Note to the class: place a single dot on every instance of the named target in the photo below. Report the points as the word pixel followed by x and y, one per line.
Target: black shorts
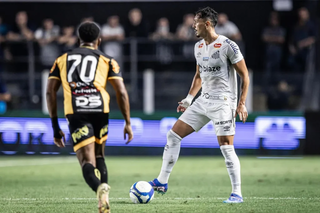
pixel 88 128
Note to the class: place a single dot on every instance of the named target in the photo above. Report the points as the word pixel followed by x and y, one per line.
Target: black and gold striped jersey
pixel 83 73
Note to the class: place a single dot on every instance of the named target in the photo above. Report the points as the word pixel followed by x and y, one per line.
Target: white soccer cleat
pixel 103 198
pixel 234 198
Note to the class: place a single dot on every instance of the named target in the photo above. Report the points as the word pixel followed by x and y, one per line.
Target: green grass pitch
pixel 197 184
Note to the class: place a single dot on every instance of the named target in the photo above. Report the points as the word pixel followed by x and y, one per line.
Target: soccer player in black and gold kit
pixel 83 74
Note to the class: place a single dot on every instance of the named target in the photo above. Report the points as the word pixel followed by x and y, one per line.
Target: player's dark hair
pixel 88 32
pixel 208 13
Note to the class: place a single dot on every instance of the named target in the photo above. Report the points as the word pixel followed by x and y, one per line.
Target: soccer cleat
pixel 159 187
pixel 103 198
pixel 234 198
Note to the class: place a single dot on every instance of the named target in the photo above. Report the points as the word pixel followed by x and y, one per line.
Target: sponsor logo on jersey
pixel 217 45
pixel 209 69
pixel 84 91
pixel 88 101
pixel 233 46
pixel 215 55
pixel 80 88
pixel 200 45
pixel 205 58
pixel 74 85
pixel 215 97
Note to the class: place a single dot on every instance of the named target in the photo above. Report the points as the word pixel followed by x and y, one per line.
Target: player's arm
pixel 242 70
pixel 51 94
pixel 53 86
pixel 114 76
pixel 194 89
pixel 196 83
pixel 123 103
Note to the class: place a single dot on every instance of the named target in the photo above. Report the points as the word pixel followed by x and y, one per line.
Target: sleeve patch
pixel 53 67
pixel 233 46
pixel 115 66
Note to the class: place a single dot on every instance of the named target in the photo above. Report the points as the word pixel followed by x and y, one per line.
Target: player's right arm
pixel 53 86
pixel 194 89
pixel 122 97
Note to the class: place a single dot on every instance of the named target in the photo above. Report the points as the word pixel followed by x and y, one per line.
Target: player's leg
pixel 83 138
pixel 87 161
pixel 100 125
pixel 233 167
pixel 100 161
pixel 224 122
pixel 83 144
pixel 172 149
pixel 103 191
pixel 100 122
pixel 191 120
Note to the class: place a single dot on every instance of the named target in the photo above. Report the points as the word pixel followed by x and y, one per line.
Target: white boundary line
pixel 37 162
pixel 177 198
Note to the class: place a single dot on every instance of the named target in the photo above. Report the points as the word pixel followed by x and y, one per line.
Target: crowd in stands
pixel 53 40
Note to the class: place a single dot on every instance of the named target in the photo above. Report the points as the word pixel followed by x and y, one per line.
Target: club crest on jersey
pixel 215 55
pixel 200 45
pixel 217 45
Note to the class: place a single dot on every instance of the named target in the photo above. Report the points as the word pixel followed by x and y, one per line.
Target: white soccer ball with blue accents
pixel 141 192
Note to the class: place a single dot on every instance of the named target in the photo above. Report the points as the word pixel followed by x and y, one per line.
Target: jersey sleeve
pixel 196 52
pixel 114 71
pixel 55 72
pixel 233 52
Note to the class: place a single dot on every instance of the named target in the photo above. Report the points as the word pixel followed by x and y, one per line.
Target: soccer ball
pixel 141 192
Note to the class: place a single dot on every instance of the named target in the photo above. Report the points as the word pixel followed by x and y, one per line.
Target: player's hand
pixel 60 142
pixel 242 112
pixel 185 103
pixel 128 131
pixel 180 108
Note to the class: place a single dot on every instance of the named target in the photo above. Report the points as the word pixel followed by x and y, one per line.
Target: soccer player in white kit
pixel 218 60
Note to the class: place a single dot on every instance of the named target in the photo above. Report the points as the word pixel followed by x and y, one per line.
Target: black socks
pixel 101 166
pixel 92 176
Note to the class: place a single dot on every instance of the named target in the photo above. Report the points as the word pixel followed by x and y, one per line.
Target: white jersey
pixel 219 79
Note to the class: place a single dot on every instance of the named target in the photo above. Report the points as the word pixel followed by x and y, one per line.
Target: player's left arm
pixel 242 70
pixel 115 78
pixel 53 86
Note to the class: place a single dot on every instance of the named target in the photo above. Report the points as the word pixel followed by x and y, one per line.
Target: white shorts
pixel 200 113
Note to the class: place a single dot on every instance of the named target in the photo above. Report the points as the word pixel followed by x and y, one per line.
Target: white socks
pixel 233 167
pixel 170 156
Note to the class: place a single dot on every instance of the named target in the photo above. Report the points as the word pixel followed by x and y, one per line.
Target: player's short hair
pixel 88 31
pixel 208 13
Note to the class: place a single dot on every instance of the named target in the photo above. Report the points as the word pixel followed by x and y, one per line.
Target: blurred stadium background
pixel 153 43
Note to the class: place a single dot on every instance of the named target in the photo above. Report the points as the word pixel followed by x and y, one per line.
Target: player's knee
pixel 173 138
pixel 225 140
pixel 225 143
pixel 99 151
pixel 84 162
